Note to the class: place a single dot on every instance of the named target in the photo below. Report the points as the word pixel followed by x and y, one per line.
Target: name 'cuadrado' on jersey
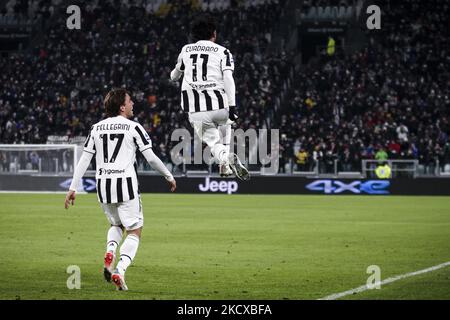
pixel 203 64
pixel 114 142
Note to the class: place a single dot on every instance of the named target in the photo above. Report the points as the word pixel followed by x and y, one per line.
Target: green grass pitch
pixel 229 247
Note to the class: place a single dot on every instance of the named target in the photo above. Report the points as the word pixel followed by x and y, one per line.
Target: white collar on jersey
pixel 205 41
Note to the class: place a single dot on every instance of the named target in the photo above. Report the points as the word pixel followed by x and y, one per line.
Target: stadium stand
pixel 392 95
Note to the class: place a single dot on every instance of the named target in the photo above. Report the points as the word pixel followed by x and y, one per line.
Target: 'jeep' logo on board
pixel 218 186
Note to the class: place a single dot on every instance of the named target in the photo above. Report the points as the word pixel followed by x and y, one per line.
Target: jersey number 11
pixel 204 66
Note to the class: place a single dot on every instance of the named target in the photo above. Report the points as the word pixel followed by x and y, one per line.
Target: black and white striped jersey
pixel 203 64
pixel 114 142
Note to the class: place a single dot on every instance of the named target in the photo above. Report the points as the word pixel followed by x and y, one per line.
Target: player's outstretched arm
pixel 81 168
pixel 159 166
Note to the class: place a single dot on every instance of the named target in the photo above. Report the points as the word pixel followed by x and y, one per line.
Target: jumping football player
pixel 114 142
pixel 208 92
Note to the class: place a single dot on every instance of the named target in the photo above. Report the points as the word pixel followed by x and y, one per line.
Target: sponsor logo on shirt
pixel 110 171
pixel 202 86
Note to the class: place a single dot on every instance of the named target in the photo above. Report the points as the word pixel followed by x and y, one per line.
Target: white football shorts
pixel 128 213
pixel 206 124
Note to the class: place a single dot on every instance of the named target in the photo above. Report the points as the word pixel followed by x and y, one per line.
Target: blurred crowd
pixel 387 101
pixel 27 11
pixel 59 88
pixel 390 100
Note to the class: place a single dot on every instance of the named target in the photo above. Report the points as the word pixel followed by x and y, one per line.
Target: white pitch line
pixel 388 280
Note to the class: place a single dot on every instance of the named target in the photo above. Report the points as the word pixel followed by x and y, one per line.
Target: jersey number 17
pixel 112 137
